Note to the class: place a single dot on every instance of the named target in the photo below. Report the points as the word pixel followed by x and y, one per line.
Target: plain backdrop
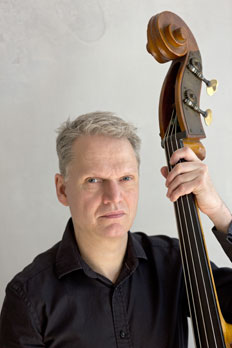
pixel 62 58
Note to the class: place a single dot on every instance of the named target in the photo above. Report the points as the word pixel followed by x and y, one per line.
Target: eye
pixel 92 180
pixel 126 178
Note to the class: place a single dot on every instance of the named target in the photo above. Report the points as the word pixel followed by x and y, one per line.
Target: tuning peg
pixel 195 67
pixel 190 100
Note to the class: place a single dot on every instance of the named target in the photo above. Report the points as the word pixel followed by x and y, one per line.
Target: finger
pixel 182 179
pixel 184 153
pixel 164 172
pixel 181 190
pixel 184 167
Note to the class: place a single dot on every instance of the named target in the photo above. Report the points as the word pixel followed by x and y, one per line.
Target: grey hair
pixel 94 123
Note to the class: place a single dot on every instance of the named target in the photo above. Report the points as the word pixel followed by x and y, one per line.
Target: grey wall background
pixel 61 58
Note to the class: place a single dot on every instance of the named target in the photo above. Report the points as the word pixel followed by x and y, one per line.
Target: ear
pixel 60 189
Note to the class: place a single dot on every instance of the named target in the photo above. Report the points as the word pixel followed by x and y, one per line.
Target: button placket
pixel 120 319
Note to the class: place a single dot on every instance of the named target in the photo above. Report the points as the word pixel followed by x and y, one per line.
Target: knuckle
pixel 179 167
pixel 204 168
pixel 179 180
pixel 203 172
pixel 181 189
pixel 187 150
pixel 199 181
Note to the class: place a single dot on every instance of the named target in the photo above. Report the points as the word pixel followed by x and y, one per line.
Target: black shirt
pixel 58 301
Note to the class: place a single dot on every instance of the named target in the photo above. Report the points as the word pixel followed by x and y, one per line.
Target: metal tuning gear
pixel 191 101
pixel 195 67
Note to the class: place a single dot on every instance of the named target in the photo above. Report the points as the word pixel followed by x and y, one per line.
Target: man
pixel 103 286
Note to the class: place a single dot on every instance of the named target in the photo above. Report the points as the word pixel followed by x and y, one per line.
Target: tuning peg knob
pixel 208 116
pixel 195 67
pixel 211 86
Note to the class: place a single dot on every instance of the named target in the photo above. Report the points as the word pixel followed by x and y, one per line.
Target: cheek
pixel 135 200
pixel 85 203
pixel 132 198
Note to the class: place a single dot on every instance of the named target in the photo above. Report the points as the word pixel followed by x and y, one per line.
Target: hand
pixel 192 176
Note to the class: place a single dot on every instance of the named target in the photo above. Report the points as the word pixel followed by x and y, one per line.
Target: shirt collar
pixel 68 258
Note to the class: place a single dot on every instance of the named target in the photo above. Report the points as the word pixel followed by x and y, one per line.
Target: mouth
pixel 113 215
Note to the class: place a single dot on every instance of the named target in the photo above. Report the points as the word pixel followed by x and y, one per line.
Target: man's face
pixel 102 186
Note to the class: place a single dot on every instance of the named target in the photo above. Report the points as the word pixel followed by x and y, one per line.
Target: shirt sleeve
pixel 225 239
pixel 223 275
pixel 18 322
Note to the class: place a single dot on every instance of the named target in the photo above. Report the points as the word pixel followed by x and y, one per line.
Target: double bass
pixel 170 39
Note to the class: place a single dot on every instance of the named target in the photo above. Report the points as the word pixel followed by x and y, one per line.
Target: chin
pixel 114 231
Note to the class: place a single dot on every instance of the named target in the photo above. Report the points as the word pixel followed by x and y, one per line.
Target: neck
pixel 104 256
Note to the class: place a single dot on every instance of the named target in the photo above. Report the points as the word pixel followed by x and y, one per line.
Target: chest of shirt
pixel 137 312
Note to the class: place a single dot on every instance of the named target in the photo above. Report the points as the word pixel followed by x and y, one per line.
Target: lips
pixel 113 214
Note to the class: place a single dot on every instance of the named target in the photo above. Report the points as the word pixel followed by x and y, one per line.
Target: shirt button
pixel 122 334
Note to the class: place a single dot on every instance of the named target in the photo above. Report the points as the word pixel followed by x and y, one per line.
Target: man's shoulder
pixel 161 242
pixel 162 252
pixel 41 267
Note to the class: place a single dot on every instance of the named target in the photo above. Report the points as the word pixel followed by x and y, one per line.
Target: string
pixel 207 269
pixel 173 124
pixel 168 134
pixel 191 252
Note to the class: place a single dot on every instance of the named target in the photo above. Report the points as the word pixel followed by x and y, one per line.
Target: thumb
pixel 164 171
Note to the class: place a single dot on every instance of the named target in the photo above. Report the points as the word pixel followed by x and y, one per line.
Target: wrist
pixel 221 218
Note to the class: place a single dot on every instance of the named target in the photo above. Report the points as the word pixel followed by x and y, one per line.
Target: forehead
pixel 93 151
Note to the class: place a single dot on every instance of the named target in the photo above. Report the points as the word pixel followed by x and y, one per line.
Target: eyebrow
pixel 100 175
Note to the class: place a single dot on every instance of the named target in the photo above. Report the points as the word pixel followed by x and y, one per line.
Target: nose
pixel 112 192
